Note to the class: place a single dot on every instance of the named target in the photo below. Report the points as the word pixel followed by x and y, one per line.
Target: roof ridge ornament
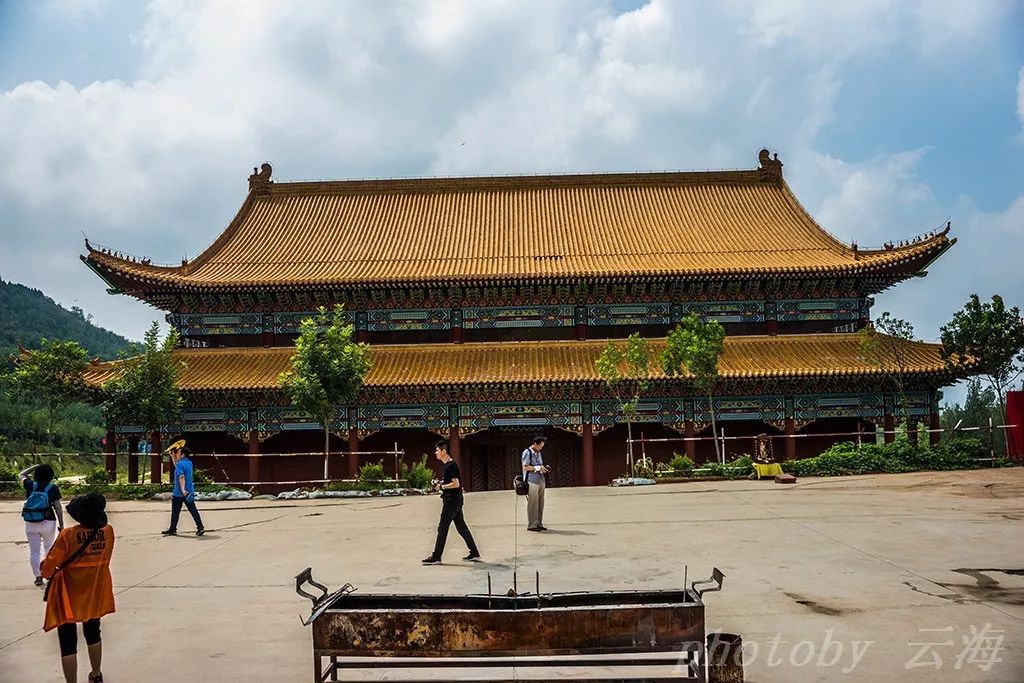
pixel 770 166
pixel 259 181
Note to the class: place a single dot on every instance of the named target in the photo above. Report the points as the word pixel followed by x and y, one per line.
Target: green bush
pixel 418 476
pixel 898 456
pixel 371 472
pixel 97 477
pixel 8 478
pixel 681 463
pixel 643 468
pixel 201 478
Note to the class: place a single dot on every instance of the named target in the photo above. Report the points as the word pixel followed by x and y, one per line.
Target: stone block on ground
pixel 785 479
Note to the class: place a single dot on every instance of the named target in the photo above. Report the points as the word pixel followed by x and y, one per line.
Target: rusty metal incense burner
pixel 648 635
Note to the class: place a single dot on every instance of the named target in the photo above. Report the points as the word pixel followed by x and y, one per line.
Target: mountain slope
pixel 27 315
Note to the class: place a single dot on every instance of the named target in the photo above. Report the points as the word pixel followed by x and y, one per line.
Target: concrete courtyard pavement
pixel 812 572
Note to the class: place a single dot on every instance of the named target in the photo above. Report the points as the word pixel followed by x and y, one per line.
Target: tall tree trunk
pixel 629 450
pixel 327 446
pixel 1002 418
pixel 714 428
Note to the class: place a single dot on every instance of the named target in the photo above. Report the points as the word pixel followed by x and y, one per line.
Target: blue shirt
pixel 532 457
pixel 183 467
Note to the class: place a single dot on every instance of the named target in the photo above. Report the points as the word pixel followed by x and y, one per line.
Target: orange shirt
pixel 83 590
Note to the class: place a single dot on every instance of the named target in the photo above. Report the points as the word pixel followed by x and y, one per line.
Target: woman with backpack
pixel 42 513
pixel 80 588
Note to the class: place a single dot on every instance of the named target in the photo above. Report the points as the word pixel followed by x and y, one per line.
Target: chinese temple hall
pixel 486 300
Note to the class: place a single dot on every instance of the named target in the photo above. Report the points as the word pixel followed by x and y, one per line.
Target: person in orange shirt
pixel 80 588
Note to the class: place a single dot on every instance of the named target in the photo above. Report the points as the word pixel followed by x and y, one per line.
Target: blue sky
pixel 137 123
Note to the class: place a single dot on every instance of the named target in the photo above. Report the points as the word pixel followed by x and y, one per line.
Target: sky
pixel 136 124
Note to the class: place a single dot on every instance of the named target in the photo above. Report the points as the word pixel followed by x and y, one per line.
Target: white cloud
pixel 156 166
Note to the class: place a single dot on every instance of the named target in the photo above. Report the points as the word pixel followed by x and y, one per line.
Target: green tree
pixel 51 377
pixel 626 370
pixel 986 339
pixel 883 344
pixel 328 368
pixel 979 409
pixel 694 347
pixel 146 392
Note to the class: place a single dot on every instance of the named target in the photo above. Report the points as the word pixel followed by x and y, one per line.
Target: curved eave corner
pixel 94 267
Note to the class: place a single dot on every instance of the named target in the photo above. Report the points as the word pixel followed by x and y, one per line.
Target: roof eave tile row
pixel 756 357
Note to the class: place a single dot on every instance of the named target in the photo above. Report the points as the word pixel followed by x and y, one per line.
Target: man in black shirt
pixel 451 507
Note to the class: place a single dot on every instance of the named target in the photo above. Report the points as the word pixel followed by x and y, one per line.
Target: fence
pixel 212 464
pixel 859 437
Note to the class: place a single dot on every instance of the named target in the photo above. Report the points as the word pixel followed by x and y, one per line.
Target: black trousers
pixel 67 636
pixel 176 504
pixel 451 511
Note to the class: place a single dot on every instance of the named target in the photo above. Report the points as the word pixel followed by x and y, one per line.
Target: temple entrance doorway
pixel 494 456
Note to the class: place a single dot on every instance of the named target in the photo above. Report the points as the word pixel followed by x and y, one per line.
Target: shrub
pixel 643 468
pixel 97 477
pixel 201 478
pixel 371 472
pixel 8 478
pixel 898 456
pixel 681 463
pixel 418 476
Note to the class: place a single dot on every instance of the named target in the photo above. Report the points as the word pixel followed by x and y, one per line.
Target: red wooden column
pixel 453 444
pixel 588 454
pixel 912 431
pixel 133 459
pixel 154 458
pixel 691 446
pixel 934 437
pixel 254 455
pixel 889 425
pixel 110 455
pixel 790 442
pixel 353 446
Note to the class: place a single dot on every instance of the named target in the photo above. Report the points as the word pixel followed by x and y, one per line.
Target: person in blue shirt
pixel 183 491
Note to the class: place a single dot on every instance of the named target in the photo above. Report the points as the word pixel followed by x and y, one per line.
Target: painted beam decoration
pixel 230 420
pixel 203 325
pixel 629 314
pixel 722 311
pixel 490 317
pixel 664 411
pixel 914 404
pixel 431 416
pixel 729 408
pixel 808 407
pixel 474 417
pixel 279 419
pixel 799 310
pixel 408 319
pixel 288 323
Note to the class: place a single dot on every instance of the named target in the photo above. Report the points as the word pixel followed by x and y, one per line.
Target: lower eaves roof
pixel 745 357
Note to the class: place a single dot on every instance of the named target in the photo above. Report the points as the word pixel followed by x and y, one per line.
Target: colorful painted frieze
pixel 490 317
pixel 800 310
pixel 477 416
pixel 808 407
pixel 722 311
pixel 728 408
pixel 432 416
pixel 386 320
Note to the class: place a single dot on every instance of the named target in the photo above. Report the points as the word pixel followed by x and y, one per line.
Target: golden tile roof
pixel 777 357
pixel 423 231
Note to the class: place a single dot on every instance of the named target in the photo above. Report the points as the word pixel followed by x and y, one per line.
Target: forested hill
pixel 27 315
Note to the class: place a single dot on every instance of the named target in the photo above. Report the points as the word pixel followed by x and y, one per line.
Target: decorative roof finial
pixel 770 166
pixel 259 181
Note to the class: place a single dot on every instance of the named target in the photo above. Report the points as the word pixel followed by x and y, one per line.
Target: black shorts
pixel 67 635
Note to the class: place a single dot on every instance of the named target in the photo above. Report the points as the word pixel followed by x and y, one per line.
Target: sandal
pixel 98 678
